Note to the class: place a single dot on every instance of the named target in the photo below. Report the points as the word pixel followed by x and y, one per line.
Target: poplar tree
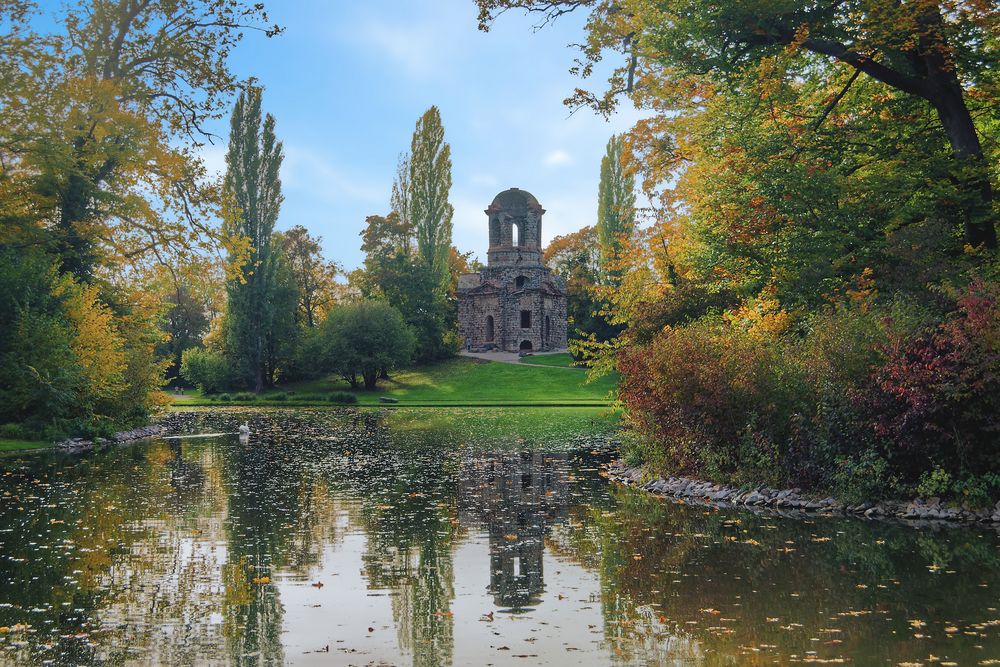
pixel 253 192
pixel 615 208
pixel 429 183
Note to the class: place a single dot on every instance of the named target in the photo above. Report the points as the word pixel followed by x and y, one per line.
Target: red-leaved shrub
pixel 936 400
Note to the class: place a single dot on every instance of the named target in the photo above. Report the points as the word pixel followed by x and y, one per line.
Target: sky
pixel 347 81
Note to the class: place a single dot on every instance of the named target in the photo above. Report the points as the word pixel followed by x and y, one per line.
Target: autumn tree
pixel 315 277
pixel 675 53
pixel 253 190
pixel 577 258
pixel 102 122
pixel 429 184
pixel 615 208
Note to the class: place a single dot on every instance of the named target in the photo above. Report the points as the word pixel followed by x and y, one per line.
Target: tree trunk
pixel 371 377
pixel 971 174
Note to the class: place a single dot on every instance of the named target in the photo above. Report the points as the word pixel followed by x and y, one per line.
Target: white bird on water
pixel 245 430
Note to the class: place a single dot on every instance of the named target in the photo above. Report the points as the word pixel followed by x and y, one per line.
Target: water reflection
pixel 435 538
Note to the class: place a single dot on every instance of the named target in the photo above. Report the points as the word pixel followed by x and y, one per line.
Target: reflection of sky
pixel 349 608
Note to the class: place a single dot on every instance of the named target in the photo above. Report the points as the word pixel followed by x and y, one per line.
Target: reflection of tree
pixel 518 496
pixel 680 583
pixel 411 524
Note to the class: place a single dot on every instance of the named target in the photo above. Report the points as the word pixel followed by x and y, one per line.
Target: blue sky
pixel 348 80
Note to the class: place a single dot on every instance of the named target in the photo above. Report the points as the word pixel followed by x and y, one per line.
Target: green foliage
pixel 615 208
pixel 258 300
pixel 866 477
pixel 341 397
pixel 936 482
pixel 429 184
pixel 68 362
pixel 208 371
pixel 362 340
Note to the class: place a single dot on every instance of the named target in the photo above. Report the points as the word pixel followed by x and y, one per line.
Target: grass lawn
pixel 563 360
pixel 455 382
pixel 9 445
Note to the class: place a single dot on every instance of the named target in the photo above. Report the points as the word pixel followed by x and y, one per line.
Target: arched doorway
pixel 525 346
pixel 489 328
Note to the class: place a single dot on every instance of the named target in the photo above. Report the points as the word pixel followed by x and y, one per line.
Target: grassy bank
pixel 455 382
pixel 13 445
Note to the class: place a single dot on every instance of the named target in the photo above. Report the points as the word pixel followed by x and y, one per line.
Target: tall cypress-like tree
pixel 615 208
pixel 253 190
pixel 430 181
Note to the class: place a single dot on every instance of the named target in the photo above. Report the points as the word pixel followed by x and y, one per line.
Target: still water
pixel 451 537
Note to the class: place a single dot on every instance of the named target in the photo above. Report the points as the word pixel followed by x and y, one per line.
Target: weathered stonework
pixel 515 303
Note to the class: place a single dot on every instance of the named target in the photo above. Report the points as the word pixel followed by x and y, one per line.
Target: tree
pixel 577 258
pixel 100 123
pixel 315 278
pixel 615 208
pixel 253 190
pixel 429 183
pixel 362 339
pixel 678 52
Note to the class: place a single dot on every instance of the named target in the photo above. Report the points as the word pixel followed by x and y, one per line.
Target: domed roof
pixel 515 201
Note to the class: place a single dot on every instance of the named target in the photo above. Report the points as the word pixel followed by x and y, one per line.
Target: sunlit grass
pixel 563 360
pixel 455 382
pixel 11 445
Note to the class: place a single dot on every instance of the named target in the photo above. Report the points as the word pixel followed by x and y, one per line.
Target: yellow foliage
pixel 96 344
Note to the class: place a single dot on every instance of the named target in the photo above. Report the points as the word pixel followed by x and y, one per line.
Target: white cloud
pixel 558 158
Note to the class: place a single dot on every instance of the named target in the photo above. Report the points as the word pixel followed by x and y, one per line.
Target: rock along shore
pixel 81 445
pixel 793 503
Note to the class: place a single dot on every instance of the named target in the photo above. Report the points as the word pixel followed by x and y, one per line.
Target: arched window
pixel 489 328
pixel 515 234
pixel 520 281
pixel 525 319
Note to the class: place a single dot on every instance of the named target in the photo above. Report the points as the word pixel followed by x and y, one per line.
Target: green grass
pixel 455 382
pixel 563 360
pixel 12 445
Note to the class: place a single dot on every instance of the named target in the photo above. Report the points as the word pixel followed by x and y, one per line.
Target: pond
pixel 451 537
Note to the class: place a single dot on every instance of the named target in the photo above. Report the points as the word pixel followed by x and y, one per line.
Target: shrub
pixel 280 397
pixel 362 339
pixel 714 398
pixel 207 370
pixel 936 400
pixel 244 397
pixel 12 431
pixel 866 477
pixel 341 397
pixel 223 397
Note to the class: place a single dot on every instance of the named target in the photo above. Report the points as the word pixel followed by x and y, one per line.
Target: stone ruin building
pixel 515 304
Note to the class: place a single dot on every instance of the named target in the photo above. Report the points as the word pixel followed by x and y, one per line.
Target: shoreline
pixel 794 503
pixel 77 445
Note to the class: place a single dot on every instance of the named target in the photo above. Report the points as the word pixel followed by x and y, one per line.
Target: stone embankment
pixel 792 502
pixel 82 445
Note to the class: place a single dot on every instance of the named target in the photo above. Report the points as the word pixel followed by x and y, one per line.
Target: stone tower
pixel 515 303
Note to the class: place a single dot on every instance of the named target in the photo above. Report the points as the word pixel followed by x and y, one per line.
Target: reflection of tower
pixel 519 496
